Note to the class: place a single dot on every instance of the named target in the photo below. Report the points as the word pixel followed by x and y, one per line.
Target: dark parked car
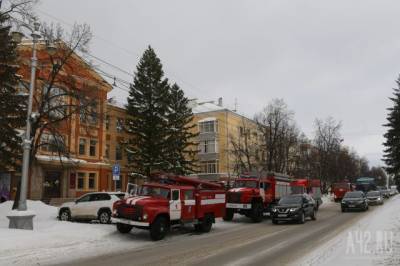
pixel 354 200
pixel 294 208
pixel 375 197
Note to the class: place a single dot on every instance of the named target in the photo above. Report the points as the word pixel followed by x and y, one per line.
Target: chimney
pixel 220 101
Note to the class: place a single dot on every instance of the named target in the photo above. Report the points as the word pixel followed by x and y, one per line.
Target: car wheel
pixel 228 214
pixel 159 228
pixel 343 210
pixel 104 217
pixel 124 228
pixel 274 221
pixel 65 215
pixel 302 219
pixel 257 212
pixel 314 215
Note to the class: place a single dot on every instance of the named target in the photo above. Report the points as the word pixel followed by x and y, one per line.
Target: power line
pixel 194 89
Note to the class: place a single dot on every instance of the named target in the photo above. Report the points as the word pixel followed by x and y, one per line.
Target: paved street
pixel 245 244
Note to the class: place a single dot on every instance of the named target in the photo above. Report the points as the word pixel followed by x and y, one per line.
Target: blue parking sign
pixel 116 171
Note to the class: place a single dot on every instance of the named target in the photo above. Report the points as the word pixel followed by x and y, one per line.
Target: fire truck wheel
pixel 206 224
pixel 257 212
pixel 314 215
pixel 124 228
pixel 228 215
pixel 159 228
pixel 302 219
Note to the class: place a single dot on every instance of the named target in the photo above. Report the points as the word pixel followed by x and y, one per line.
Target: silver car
pixel 375 198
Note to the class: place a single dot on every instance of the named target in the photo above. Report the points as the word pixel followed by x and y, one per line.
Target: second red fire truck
pixel 252 196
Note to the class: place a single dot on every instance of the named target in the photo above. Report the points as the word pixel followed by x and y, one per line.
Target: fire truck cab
pixel 159 206
pixel 252 196
pixel 339 189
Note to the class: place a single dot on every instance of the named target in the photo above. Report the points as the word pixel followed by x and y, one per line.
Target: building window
pixel 208 126
pixel 51 143
pixel 93 111
pixel 92 148
pixel 107 122
pixel 80 184
pixel 55 99
pixel 208 146
pixel 107 154
pixel 92 181
pixel 119 125
pixel 210 167
pixel 86 181
pixel 82 146
pixel 118 152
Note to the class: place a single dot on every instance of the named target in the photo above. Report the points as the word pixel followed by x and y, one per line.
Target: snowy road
pixel 240 242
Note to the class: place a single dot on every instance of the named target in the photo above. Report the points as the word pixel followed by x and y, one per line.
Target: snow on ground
pixel 53 241
pixel 374 240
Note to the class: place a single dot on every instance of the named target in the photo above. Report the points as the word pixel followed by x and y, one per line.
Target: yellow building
pixel 221 130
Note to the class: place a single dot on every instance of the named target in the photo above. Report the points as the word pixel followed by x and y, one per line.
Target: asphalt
pixel 245 244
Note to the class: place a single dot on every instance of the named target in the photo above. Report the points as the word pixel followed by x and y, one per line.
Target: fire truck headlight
pixel 145 216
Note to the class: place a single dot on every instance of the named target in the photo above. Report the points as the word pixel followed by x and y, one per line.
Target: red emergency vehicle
pixel 309 186
pixel 339 189
pixel 171 201
pixel 252 196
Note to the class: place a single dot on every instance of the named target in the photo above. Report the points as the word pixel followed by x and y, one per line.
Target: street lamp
pixel 23 219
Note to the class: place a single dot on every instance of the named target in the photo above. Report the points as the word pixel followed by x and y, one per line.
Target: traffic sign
pixel 116 171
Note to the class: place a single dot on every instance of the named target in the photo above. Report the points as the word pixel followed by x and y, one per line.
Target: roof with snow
pixel 206 107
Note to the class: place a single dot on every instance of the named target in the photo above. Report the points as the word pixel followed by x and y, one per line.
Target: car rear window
pixel 102 196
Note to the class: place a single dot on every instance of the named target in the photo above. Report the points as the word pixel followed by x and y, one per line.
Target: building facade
pixel 91 140
pixel 220 130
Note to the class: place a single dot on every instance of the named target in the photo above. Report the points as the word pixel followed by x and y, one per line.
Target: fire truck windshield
pixel 154 191
pixel 245 183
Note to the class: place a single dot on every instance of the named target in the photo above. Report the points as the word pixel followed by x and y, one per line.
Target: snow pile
pixel 374 240
pixel 54 241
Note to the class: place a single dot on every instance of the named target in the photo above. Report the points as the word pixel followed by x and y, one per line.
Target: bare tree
pixel 279 133
pixel 327 141
pixel 246 149
pixel 63 91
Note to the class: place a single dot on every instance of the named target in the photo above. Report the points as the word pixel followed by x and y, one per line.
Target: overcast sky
pixel 324 58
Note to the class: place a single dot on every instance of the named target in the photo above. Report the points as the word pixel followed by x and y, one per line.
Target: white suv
pixel 91 206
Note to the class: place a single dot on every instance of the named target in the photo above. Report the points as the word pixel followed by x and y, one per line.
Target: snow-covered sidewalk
pixel 53 241
pixel 374 240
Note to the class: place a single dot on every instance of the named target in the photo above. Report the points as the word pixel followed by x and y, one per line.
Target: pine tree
pixel 181 155
pixel 147 109
pixel 12 104
pixel 392 143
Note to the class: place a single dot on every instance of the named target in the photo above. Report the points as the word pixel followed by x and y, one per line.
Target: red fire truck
pixel 252 196
pixel 309 186
pixel 171 201
pixel 339 189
